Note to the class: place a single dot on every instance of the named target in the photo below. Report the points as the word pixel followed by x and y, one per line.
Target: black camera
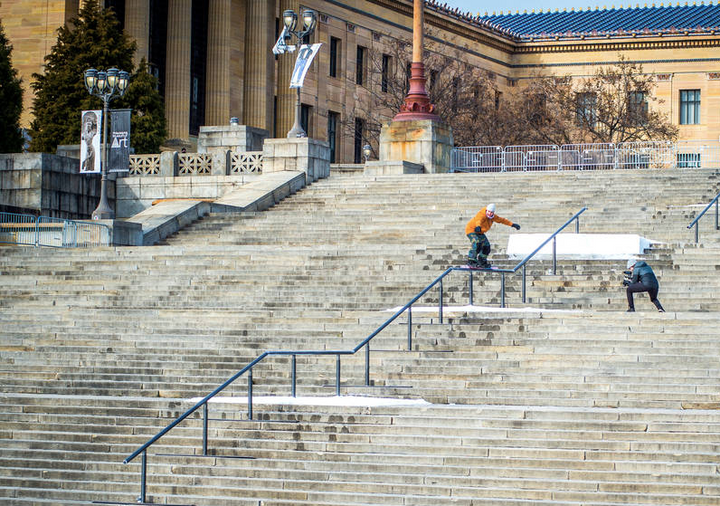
pixel 627 278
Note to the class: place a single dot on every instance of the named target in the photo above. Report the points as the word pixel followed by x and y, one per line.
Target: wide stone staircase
pixel 564 399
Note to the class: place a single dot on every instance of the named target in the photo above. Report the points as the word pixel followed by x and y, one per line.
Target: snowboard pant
pixel 480 248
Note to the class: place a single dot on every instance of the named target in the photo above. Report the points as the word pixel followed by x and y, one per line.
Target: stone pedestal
pixel 424 142
pixel 231 137
pixel 123 233
pixel 306 155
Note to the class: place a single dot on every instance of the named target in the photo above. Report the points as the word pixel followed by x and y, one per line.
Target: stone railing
pixel 196 164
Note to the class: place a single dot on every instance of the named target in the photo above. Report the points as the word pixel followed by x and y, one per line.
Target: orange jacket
pixel 482 221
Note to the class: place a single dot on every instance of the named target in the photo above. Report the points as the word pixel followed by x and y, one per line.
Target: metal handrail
pixel 697 218
pixel 365 343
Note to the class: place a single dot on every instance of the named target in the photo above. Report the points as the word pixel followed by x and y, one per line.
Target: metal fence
pixel 627 155
pixel 26 229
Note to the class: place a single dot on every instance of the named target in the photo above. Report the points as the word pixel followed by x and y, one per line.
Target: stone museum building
pixel 214 58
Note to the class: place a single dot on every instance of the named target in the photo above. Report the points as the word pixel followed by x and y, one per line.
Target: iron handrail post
pixel 367 365
pixel 143 477
pixel 440 303
pixel 524 289
pixel 293 375
pixel 250 395
pixel 555 256
pixel 470 283
pixel 205 429
pixel 696 221
pixel 337 375
pixel 502 289
pixel 577 225
pixel 409 324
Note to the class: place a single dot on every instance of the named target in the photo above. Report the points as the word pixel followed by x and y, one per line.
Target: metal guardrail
pixel 608 156
pixel 28 230
pixel 364 344
pixel 695 223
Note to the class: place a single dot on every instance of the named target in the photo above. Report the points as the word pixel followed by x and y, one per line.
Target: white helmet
pixel 491 208
pixel 631 262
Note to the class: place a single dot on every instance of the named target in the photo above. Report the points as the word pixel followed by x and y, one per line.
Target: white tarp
pixel 569 245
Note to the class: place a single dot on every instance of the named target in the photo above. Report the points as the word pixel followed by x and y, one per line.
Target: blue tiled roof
pixel 628 20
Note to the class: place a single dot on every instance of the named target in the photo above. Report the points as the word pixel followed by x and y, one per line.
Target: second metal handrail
pixel 365 343
pixel 697 218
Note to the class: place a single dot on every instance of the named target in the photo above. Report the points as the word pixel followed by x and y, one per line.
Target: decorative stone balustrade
pixel 196 164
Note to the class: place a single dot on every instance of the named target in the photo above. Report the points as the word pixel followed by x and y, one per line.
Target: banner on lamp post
pixel 119 154
pixel 90 155
pixel 306 53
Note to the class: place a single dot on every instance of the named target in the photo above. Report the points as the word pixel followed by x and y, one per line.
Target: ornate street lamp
pixel 107 85
pixel 290 23
pixel 367 151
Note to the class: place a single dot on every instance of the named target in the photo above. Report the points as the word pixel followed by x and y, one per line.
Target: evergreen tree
pixel 148 126
pixel 11 93
pixel 92 40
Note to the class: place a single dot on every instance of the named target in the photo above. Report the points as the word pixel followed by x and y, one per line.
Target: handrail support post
pixel 440 303
pixel 293 375
pixel 367 364
pixel 250 394
pixel 502 289
pixel 337 375
pixel 524 289
pixel 205 429
pixel 409 324
pixel 470 273
pixel 143 477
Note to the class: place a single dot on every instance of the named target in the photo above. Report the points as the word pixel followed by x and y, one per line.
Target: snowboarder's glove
pixel 478 230
pixel 515 226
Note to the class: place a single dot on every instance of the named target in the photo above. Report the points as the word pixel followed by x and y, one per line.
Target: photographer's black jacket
pixel 644 273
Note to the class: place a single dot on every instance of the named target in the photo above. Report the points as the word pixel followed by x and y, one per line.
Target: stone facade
pixel 244 79
pixel 48 185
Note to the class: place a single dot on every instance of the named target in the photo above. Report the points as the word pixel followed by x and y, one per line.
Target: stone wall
pixel 48 185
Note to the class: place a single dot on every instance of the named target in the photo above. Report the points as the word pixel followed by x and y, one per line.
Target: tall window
pixel 385 75
pixel 305 115
pixel 333 121
pixel 585 114
pixel 359 131
pixel 498 99
pixel 334 56
pixel 360 65
pixel 637 107
pixel 689 107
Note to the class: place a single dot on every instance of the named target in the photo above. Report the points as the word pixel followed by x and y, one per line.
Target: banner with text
pixel 119 156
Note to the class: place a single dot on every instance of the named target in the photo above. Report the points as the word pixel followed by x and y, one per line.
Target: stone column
pixel 217 108
pixel 259 64
pixel 137 26
pixel 286 97
pixel 177 89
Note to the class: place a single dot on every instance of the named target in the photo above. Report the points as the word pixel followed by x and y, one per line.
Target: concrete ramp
pixel 589 246
pixel 168 216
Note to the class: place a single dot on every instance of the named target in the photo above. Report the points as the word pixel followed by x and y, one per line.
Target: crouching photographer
pixel 640 278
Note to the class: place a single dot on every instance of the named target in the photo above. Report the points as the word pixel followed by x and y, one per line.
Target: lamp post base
pixel 297 130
